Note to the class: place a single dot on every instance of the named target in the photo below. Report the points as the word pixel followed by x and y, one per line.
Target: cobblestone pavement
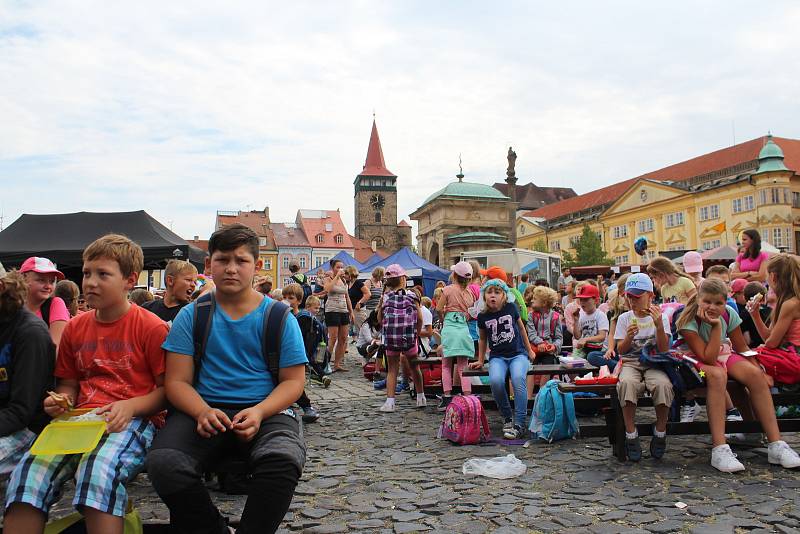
pixel 373 472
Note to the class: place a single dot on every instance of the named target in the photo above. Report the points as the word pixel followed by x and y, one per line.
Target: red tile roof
pixel 530 196
pixel 375 166
pixel 202 244
pixel 258 221
pixel 313 223
pixel 289 235
pixel 362 251
pixel 714 161
pixel 404 224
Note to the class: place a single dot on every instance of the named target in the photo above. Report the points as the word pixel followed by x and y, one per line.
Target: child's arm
pixel 662 339
pixel 65 386
pixel 612 341
pixel 481 350
pixel 440 304
pixel 707 352
pixel 557 337
pixel 624 344
pixel 180 391
pixel 774 336
pixel 598 337
pixel 291 381
pixel 738 341
pixel 533 333
pixel 120 413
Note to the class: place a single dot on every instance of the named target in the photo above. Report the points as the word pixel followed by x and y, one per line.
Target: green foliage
pixel 567 261
pixel 540 245
pixel 589 249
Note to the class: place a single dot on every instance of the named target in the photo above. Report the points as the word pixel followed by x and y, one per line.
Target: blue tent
pixel 417 268
pixel 344 256
pixel 372 261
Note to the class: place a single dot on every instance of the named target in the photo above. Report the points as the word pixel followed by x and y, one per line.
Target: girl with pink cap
pixel 41 276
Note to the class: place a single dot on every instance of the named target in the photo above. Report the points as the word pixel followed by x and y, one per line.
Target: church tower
pixel 376 201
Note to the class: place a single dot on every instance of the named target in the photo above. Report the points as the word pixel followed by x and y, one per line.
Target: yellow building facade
pixel 694 214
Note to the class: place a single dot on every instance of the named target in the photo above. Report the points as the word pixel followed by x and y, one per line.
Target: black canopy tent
pixel 62 238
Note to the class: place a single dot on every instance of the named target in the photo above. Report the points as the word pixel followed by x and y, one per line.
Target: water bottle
pixel 322 348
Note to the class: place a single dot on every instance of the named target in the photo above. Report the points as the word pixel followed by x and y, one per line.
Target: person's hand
pixel 579 343
pixel 476 365
pixel 703 315
pixel 53 409
pixel 247 423
pixel 655 312
pixel 532 355
pixel 211 422
pixel 549 347
pixel 541 347
pixel 753 306
pixel 610 354
pixel 118 415
pixel 576 313
pixel 358 306
pixel 632 330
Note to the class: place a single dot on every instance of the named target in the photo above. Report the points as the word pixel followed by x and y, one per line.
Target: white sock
pixel 774 444
pixel 390 401
pixel 658 434
pixel 421 396
pixel 632 435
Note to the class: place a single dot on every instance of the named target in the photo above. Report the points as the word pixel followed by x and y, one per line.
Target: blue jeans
pixel 499 367
pixel 598 359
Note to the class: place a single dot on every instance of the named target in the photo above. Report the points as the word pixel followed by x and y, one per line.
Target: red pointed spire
pixel 375 166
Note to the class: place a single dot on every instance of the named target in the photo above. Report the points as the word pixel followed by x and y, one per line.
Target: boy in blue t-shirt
pixel 233 403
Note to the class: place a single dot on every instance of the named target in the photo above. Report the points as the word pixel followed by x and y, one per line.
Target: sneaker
pixel 444 403
pixel 633 449
pixel 401 387
pixel 508 427
pixel 734 415
pixel 388 406
pixel 689 411
pixel 310 414
pixel 326 381
pixel 379 384
pixel 421 401
pixel 513 433
pixel 723 459
pixel 328 370
pixel 658 446
pixel 779 452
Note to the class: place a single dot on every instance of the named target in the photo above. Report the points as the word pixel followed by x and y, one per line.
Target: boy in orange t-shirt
pixel 109 359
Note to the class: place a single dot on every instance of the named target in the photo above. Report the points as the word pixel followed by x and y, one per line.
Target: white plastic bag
pixel 501 467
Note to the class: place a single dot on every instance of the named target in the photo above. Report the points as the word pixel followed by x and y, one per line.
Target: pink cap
pixel 39 265
pixel 738 285
pixel 693 262
pixel 462 269
pixel 394 271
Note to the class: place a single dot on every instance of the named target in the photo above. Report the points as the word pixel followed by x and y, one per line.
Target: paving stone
pixel 402 528
pixel 315 513
pixel 333 528
pixel 670 525
pixel 366 523
pixel 712 528
pixel 406 517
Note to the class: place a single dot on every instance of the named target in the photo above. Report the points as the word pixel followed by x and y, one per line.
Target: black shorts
pixel 337 319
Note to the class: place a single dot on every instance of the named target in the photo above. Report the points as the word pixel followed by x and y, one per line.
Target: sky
pixel 186 108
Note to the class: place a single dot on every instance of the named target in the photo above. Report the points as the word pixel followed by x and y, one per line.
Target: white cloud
pixel 185 108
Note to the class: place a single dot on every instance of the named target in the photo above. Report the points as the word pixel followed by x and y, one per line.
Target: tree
pixel 567 261
pixel 589 249
pixel 540 245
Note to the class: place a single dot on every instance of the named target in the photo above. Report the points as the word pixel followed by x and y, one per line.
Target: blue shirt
pixel 502 331
pixel 233 369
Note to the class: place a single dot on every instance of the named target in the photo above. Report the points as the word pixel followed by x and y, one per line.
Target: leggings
pixel 447 375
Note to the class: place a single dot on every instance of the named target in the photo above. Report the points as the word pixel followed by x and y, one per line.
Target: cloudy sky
pixel 184 108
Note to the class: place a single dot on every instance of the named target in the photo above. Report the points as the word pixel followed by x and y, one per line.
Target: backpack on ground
pixel 464 421
pixel 305 285
pixel 553 416
pixel 783 365
pixel 272 330
pixel 400 320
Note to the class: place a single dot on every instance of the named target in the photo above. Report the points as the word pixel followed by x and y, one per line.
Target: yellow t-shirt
pixel 680 290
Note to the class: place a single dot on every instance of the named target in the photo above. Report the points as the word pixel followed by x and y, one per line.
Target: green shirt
pixel 703 329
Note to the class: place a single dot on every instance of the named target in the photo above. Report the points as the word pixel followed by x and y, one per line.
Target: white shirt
pixel 646 334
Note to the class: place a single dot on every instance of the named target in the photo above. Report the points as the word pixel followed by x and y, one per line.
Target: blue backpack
pixel 553 416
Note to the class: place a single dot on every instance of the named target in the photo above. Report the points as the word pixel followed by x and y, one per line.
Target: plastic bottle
pixel 322 348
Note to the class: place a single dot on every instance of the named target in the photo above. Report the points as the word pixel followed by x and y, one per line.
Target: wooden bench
pixel 614 427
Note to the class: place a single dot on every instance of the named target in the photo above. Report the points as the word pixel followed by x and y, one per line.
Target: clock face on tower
pixel 377 201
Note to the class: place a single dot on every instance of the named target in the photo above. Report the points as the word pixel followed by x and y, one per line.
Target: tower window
pixel 377 216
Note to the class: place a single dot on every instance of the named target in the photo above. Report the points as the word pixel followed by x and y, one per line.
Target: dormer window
pixel 320 238
pixel 339 239
pixel 328 227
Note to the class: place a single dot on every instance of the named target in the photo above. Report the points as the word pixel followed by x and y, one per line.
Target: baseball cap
pixel 495 272
pixel 638 283
pixel 738 285
pixel 693 262
pixel 588 291
pixel 35 264
pixel 462 269
pixel 394 271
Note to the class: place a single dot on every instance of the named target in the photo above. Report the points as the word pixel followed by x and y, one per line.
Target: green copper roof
pixel 467 190
pixel 770 158
pixel 476 237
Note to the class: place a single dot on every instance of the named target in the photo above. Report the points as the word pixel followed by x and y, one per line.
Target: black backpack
pixel 274 321
pixel 45 311
pixel 305 285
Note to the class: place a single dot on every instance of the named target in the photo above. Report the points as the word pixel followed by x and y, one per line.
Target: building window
pixel 675 247
pixel 780 237
pixel 646 225
pixel 736 205
pixel 573 241
pixel 286 262
pixel 521 230
pixel 555 246
pixel 673 219
pixel 762 197
pixel 377 242
pixel 268 264
pixel 377 216
pixel 708 213
pixel 320 238
pixel 329 227
pixel 302 262
pixel 775 195
pixel 795 199
pixel 651 254
pixel 749 203
pixel 620 231
pixel 708 245
pixel 619 260
pixel 339 239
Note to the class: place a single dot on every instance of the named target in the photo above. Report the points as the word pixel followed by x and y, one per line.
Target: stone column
pixel 511 180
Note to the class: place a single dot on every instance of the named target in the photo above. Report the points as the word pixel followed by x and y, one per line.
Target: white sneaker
pixel 508 427
pixel 779 452
pixel 689 412
pixel 388 406
pixel 421 400
pixel 723 459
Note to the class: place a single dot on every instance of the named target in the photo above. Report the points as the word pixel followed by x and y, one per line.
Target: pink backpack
pixel 783 365
pixel 464 421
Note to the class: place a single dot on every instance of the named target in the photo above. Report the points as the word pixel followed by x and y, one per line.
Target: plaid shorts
pixel 12 448
pixel 100 475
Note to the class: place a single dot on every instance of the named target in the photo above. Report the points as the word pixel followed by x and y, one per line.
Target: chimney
pixel 197 238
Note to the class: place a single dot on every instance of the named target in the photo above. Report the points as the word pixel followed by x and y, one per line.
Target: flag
pixel 721 227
